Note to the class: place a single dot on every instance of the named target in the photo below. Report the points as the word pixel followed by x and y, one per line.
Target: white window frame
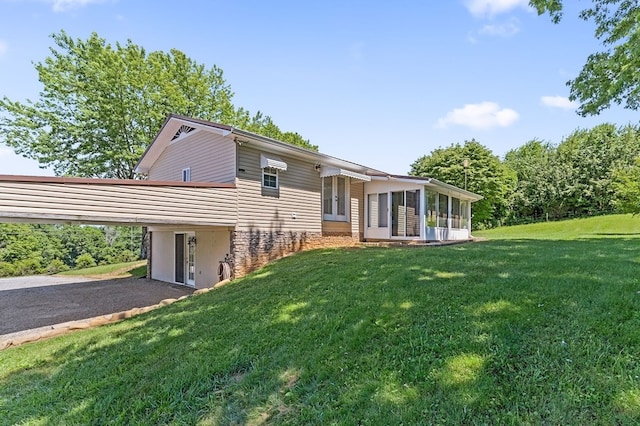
pixel 271 172
pixel 378 210
pixel 334 216
pixel 186 174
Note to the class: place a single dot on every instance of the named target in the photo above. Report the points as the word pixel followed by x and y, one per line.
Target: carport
pixel 189 213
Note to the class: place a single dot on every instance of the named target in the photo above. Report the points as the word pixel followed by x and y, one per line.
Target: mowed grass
pixel 611 226
pixel 137 269
pixel 537 325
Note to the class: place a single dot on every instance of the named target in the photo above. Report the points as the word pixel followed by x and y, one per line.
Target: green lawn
pixel 538 325
pixel 137 268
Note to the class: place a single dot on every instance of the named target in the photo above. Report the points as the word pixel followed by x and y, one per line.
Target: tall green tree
pixel 101 105
pixel 538 178
pixel 611 76
pixel 589 158
pixel 485 175
pixel 626 187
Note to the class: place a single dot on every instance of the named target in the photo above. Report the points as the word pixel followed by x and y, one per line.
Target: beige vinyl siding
pixel 336 228
pixel 210 157
pixel 357 207
pixel 299 193
pixel 127 204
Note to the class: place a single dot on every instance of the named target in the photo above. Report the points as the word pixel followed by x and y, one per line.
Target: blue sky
pixel 377 83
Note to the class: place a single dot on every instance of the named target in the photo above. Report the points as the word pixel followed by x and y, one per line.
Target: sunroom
pixel 416 209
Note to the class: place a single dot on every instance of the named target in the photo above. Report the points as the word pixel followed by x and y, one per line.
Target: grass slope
pixel 136 269
pixel 520 329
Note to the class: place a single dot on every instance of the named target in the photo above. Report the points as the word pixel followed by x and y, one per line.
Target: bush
pixel 85 260
pixel 30 266
pixel 7 269
pixel 56 266
pixel 125 256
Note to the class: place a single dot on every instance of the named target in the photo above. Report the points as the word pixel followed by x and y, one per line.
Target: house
pixel 217 193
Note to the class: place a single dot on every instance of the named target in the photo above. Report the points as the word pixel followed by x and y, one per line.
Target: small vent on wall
pixel 182 132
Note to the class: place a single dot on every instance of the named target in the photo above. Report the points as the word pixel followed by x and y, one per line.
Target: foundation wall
pixel 252 249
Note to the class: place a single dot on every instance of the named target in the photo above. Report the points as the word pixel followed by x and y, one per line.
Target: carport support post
pixel 149 253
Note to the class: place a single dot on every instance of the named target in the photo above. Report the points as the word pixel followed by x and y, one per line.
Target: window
pixel 378 212
pixel 398 216
pixel 270 177
pixel 186 175
pixel 413 213
pixel 431 199
pixel 443 211
pixel 464 208
pixel 383 210
pixel 372 203
pixel 455 212
pixel 405 213
pixel 335 193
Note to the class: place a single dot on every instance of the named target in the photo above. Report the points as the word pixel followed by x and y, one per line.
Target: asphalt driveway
pixel 37 301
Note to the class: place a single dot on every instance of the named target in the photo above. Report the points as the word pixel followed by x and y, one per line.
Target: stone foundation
pixel 252 249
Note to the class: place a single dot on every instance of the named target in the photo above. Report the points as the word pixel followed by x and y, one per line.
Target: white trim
pixel 334 216
pixel 334 171
pixel 273 162
pixel 441 187
pixel 186 174
pixel 270 171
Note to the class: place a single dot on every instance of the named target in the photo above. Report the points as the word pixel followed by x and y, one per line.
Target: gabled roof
pixel 175 124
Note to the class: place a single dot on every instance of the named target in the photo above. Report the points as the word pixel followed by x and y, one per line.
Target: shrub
pixel 121 257
pixel 85 260
pixel 30 266
pixel 56 266
pixel 7 269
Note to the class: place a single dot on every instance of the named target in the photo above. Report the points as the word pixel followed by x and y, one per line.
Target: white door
pixel 185 258
pixel 191 259
pixel 335 195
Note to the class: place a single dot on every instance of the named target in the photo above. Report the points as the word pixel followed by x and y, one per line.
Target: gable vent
pixel 182 132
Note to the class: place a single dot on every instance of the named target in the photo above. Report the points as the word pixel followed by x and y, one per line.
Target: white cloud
pixel 558 102
pixel 4 48
pixel 507 29
pixel 482 8
pixel 64 5
pixel 484 115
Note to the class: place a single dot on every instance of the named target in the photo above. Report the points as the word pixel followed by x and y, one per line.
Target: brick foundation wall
pixel 252 249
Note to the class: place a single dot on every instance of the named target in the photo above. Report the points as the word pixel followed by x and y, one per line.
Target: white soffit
pixel 272 161
pixel 334 171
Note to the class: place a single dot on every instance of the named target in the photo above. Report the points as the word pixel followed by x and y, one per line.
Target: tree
pixel 79 240
pixel 485 175
pixel 613 75
pixel 101 106
pixel 27 248
pixel 626 186
pixel 536 191
pixel 590 158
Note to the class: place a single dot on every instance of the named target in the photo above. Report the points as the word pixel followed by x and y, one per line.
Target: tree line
pixel 27 249
pixel 590 172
